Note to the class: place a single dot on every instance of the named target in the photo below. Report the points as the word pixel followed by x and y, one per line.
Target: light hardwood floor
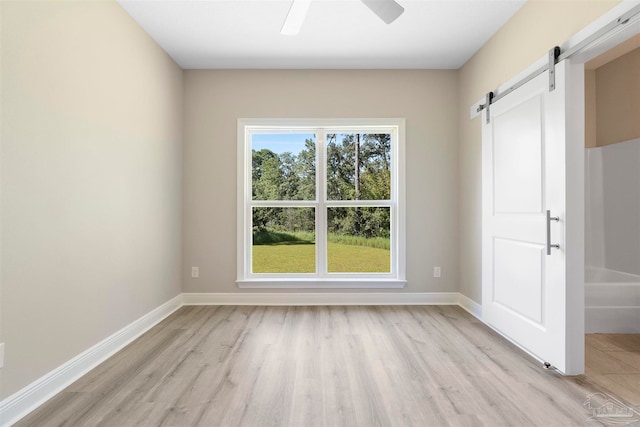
pixel 613 363
pixel 319 366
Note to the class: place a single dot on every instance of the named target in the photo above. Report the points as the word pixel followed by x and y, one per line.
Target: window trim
pixel 395 279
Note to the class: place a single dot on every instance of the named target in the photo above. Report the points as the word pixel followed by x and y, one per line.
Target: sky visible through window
pixel 280 142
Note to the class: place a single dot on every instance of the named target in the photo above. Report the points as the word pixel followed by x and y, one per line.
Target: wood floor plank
pixel 333 366
pixel 601 362
pixel 626 386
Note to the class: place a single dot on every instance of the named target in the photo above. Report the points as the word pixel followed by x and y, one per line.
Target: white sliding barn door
pixel 524 161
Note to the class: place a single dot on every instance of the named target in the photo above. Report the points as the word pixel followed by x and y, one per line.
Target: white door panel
pixel 517 157
pixel 523 291
pixel 519 278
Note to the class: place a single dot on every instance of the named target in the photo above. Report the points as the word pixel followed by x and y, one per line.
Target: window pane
pixel 371 179
pixel 283 240
pixel 358 240
pixel 283 166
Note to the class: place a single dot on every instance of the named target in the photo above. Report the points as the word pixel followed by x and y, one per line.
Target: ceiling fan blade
pixel 387 10
pixel 295 17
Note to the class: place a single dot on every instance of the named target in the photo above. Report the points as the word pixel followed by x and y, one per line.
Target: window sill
pixel 280 283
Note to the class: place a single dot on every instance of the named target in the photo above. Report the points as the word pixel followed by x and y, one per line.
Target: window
pixel 321 203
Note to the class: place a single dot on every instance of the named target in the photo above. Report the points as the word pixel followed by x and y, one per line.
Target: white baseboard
pixel 323 298
pixel 470 305
pixel 35 394
pixel 612 307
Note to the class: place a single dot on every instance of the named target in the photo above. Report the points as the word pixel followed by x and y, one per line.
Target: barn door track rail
pixel 556 55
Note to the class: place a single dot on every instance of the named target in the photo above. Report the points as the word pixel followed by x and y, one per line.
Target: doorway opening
pixel 612 220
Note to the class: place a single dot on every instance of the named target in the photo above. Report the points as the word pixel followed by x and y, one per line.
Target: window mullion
pixel 283 203
pixel 361 203
pixel 321 196
pixel 248 237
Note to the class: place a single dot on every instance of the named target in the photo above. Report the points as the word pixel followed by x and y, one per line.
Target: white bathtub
pixel 612 301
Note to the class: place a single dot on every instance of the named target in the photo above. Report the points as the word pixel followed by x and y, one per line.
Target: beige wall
pixel 91 180
pixel 214 100
pixel 617 87
pixel 590 108
pixel 527 36
pixel 620 85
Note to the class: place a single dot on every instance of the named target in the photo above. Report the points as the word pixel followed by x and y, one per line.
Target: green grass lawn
pixel 300 257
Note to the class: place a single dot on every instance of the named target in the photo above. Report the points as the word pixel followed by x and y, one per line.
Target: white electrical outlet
pixel 195 272
pixel 436 272
pixel 1 355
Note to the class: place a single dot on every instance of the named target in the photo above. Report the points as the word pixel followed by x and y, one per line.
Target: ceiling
pixel 336 34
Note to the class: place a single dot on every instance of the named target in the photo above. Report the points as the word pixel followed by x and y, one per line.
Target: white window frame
pixel 321 278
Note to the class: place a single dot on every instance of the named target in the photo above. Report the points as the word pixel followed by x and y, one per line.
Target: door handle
pixel 549 219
